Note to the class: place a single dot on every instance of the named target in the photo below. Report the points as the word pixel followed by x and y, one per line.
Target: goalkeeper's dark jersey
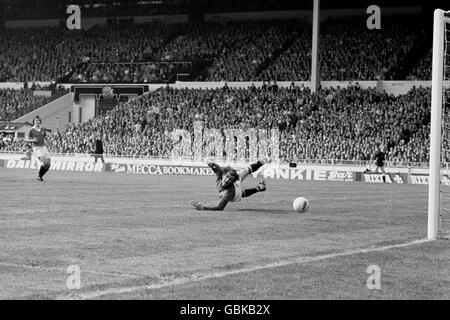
pixel 226 194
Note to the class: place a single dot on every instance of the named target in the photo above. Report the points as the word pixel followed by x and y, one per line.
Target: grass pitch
pixel 136 237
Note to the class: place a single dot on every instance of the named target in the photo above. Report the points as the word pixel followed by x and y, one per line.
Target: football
pixel 301 204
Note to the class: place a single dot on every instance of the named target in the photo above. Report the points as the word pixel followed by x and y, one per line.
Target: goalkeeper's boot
pixel 262 185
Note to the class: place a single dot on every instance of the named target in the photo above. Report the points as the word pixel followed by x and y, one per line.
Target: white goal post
pixel 437 87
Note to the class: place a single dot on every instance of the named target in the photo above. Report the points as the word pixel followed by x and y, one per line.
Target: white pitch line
pixel 61 269
pixel 199 277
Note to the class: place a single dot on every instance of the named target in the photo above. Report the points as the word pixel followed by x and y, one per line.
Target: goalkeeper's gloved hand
pixel 197 205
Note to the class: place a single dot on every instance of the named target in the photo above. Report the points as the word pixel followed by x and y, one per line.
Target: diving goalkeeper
pixel 229 185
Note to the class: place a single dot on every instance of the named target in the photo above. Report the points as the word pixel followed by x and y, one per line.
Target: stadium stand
pixel 349 51
pixel 341 124
pixel 253 45
pixel 54 53
pixel 15 103
pixel 250 50
pixel 423 69
pixel 263 49
pixel 137 72
pixel 347 124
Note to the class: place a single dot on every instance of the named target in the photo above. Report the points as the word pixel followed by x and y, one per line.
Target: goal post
pixel 437 88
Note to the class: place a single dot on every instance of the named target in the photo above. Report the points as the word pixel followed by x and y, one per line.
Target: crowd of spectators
pixel 246 50
pixel 281 49
pixel 349 124
pixel 14 103
pixel 49 53
pixel 341 123
pixel 234 51
pixel 252 46
pixel 349 50
pixel 8 143
pixel 198 43
pixel 124 131
pixel 294 64
pixel 137 72
pixel 423 70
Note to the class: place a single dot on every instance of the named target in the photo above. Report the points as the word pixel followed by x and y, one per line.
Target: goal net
pixel 439 182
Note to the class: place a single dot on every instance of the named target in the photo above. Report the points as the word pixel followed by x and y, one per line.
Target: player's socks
pixel 43 170
pixel 255 166
pixel 384 178
pixel 249 192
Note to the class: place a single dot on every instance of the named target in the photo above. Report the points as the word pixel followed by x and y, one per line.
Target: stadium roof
pixel 44 9
pixel 273 4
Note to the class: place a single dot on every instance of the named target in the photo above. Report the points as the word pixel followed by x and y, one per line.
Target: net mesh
pixel 444 216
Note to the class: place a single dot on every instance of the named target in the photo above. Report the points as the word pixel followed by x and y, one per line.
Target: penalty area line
pixel 213 275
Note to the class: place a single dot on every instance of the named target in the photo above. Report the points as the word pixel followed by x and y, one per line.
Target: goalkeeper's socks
pixel 255 166
pixel 249 192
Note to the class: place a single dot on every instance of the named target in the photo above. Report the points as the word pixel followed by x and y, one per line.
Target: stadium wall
pixel 54 114
pixel 121 165
pixel 85 109
pixel 390 87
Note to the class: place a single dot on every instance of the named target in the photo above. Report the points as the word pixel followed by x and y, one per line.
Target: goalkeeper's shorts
pixel 237 192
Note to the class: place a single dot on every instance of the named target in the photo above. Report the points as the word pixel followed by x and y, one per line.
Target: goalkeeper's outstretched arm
pixel 219 207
